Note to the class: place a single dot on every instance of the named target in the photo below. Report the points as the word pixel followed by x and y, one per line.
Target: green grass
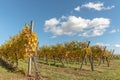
pixel 70 72
pixel 101 72
pixel 7 74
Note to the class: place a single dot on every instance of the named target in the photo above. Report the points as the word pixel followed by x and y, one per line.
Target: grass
pixel 7 74
pixel 70 72
pixel 101 72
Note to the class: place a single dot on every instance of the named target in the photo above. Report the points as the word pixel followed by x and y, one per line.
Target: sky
pixel 60 21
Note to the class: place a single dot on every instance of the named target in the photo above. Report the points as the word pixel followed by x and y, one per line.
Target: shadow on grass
pixel 6 65
pixel 10 68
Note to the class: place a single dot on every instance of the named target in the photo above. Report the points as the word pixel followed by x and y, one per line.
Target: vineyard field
pixel 59 40
pixel 48 72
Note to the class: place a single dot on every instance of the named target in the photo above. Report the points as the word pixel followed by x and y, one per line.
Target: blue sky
pixel 59 21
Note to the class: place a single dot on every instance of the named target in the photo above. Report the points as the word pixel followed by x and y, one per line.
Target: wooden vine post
pixel 30 59
pixel 84 55
pixel 37 73
pixel 91 59
pixel 113 53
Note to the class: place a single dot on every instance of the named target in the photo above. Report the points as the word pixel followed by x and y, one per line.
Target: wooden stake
pixel 35 65
pixel 29 67
pixel 29 60
pixel 83 58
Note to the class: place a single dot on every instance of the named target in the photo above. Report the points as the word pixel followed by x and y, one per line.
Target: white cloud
pixel 92 33
pixel 117 45
pixel 63 17
pixel 53 36
pixel 97 6
pixel 102 44
pixel 77 25
pixel 109 7
pixel 114 31
pixel 52 22
pixel 77 8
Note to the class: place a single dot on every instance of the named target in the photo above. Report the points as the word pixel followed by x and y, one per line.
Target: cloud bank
pixel 73 25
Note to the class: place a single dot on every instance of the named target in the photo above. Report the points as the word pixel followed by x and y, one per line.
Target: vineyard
pixel 24 46
pixel 75 52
